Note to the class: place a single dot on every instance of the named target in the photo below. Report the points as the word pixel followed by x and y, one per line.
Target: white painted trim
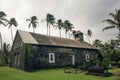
pixel 73 59
pixel 53 57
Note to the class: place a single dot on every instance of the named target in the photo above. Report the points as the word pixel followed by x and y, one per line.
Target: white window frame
pixel 53 57
pixel 73 59
pixel 87 57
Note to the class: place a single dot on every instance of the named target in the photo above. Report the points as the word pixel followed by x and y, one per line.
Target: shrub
pixel 106 62
pixel 97 70
pixel 95 62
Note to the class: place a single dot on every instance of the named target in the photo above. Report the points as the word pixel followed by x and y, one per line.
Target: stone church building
pixel 32 51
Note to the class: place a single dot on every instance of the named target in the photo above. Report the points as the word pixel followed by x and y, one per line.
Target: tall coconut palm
pixel 2 18
pixel 74 32
pixel 114 22
pixel 89 34
pixel 97 43
pixel 2 21
pixel 11 23
pixel 1 40
pixel 67 27
pixel 113 45
pixel 70 29
pixel 59 25
pixel 50 19
pixel 66 22
pixel 33 22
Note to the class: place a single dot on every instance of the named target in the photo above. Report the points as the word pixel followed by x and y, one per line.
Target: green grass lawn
pixel 7 73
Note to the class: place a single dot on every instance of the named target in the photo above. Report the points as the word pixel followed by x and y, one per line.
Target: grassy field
pixel 7 73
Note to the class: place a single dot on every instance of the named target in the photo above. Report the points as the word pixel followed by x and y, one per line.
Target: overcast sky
pixel 83 14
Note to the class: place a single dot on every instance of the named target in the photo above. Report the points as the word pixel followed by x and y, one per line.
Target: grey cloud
pixel 84 14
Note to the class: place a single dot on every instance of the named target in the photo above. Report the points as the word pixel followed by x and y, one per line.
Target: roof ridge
pixel 47 35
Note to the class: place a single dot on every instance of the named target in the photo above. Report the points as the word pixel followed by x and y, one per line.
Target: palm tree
pixel 2 18
pixel 11 23
pixel 70 29
pixel 66 22
pixel 2 21
pixel 1 40
pixel 89 34
pixel 74 32
pixel 97 43
pixel 50 19
pixel 67 27
pixel 114 22
pixel 113 44
pixel 59 25
pixel 33 22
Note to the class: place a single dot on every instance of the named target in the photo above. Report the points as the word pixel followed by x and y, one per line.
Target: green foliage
pixel 114 22
pixel 29 51
pixel 29 58
pixel 106 62
pixel 5 54
pixel 108 49
pixel 7 73
pixel 95 62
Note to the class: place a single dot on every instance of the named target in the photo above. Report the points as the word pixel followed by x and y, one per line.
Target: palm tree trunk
pixel 49 29
pixel 60 33
pixel 11 34
pixel 69 34
pixel 1 40
pixel 66 35
pixel 33 30
pixel 89 39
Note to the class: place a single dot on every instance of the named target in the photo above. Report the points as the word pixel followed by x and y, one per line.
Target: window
pixel 87 57
pixel 51 58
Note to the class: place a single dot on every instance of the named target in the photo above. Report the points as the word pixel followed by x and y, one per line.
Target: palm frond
pixel 43 20
pixel 2 23
pixel 113 16
pixel 108 27
pixel 4 19
pixel 13 22
pixel 89 33
pixel 9 26
pixel 29 25
pixel 2 14
pixel 110 22
pixel 28 20
pixel 36 22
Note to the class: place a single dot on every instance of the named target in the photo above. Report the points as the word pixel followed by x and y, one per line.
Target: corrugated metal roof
pixel 34 38
pixel 27 37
